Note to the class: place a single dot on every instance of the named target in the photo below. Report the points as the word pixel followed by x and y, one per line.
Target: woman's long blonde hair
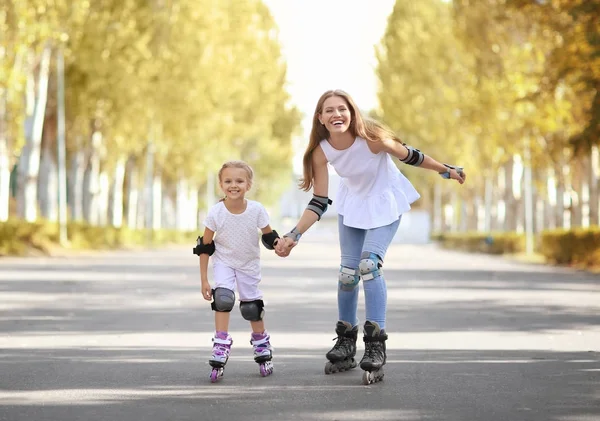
pixel 369 129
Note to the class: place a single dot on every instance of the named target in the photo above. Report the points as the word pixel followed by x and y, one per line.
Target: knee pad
pixel 223 299
pixel 370 265
pixel 348 278
pixel 252 310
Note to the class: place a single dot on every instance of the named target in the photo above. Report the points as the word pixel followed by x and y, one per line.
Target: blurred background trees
pixel 510 90
pixel 158 94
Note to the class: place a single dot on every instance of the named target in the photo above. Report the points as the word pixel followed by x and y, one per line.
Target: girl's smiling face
pixel 234 183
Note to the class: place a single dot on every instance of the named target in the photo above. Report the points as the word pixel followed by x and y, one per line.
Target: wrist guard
pixel 446 174
pixel 269 239
pixel 415 157
pixel 202 248
pixel 293 234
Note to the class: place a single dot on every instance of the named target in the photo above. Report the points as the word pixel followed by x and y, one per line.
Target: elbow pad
pixel 268 239
pixel 202 248
pixel 415 157
pixel 318 204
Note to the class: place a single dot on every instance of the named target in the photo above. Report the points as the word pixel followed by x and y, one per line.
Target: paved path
pixel 126 336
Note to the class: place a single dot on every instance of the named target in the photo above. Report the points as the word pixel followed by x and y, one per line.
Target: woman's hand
pixel 284 246
pixel 460 176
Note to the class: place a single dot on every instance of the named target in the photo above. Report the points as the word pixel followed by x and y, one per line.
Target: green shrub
pixel 491 243
pixel 18 237
pixel 578 246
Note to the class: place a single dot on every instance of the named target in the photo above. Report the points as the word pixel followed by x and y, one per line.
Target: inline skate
pixel 220 354
pixel 341 356
pixel 375 356
pixel 263 353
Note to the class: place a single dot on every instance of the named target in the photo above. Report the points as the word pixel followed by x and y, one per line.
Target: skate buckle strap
pixel 262 341
pixel 222 341
pixel 380 338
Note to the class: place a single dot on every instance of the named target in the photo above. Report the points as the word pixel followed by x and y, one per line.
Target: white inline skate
pixel 263 352
pixel 220 354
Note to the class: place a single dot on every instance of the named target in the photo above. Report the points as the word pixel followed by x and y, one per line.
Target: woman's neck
pixel 341 137
pixel 341 141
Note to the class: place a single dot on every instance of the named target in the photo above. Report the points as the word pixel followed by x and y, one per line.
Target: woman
pixel 373 195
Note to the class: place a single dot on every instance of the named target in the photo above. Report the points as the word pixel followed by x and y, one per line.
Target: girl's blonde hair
pixel 369 129
pixel 237 164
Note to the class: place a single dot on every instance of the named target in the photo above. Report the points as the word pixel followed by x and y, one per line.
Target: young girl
pixel 373 194
pixel 235 220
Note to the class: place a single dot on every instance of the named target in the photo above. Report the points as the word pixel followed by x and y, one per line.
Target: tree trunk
pixel 560 198
pixel 510 202
pixel 75 191
pixel 91 183
pixel 156 202
pixel 48 186
pixel 577 186
pixel 29 162
pixel 438 210
pixel 4 160
pixel 471 213
pixel 148 187
pixel 103 197
pixel 132 194
pixel 594 179
pixel 194 222
pixel 169 213
pixel 116 195
pixel 488 204
pixel 182 204
pixel 551 200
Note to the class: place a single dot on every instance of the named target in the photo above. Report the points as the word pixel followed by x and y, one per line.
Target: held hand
pixel 284 246
pixel 206 291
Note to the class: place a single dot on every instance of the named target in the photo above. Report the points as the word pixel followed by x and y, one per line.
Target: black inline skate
pixel 341 356
pixel 374 358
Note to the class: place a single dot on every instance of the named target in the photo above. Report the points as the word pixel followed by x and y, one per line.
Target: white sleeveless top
pixel 372 191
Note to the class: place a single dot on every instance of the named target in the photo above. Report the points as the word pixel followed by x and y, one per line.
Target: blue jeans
pixel 353 242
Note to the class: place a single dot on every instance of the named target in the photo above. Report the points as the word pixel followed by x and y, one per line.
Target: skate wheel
pixel 266 369
pixel 370 377
pixel 216 374
pixel 329 367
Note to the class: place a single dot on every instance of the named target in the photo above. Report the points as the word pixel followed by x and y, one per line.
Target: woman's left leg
pixel 377 241
pixel 375 247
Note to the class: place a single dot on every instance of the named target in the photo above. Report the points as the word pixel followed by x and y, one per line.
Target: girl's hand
pixel 284 246
pixel 206 291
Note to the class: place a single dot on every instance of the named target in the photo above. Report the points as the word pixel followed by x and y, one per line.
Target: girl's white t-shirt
pixel 236 235
pixel 372 191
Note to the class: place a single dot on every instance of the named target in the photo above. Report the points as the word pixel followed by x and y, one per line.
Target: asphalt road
pixel 126 336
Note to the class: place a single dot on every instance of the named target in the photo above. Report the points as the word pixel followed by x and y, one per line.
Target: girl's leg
pixel 224 287
pixel 351 246
pixel 258 327
pixel 222 321
pixel 254 313
pixel 224 277
pixel 375 246
pixel 247 286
